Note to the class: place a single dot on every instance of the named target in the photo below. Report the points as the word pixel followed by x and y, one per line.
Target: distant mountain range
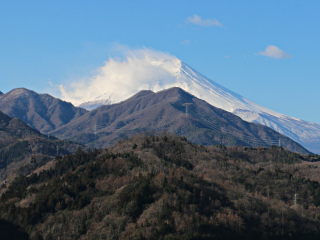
pixel 166 111
pixel 40 111
pixel 179 74
pixel 145 111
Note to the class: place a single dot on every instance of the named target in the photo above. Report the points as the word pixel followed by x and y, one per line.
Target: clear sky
pixel 266 51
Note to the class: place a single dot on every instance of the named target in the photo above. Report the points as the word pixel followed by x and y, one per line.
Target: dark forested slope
pixel 164 187
pixel 23 148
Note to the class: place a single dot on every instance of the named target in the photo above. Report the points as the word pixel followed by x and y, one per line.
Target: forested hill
pixel 23 148
pixel 164 187
pixel 15 127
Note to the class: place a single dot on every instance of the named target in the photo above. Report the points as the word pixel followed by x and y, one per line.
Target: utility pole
pixel 279 142
pixel 295 199
pixel 57 150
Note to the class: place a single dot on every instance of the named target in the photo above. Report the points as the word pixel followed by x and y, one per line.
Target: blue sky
pixel 267 51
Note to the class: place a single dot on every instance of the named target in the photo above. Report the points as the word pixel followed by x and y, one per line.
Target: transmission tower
pixel 187 105
pixel 95 131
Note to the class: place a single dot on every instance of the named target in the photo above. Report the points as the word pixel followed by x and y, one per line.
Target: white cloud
pixel 274 52
pixel 197 20
pixel 119 78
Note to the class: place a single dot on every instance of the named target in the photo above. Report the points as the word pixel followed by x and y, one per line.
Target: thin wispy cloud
pixel 274 52
pixel 197 20
pixel 186 42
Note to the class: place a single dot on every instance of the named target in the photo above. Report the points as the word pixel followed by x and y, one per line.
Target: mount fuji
pixel 157 74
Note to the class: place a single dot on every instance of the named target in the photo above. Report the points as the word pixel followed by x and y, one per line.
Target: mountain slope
pixel 41 111
pixel 165 111
pixel 23 148
pixel 164 187
pixel 174 73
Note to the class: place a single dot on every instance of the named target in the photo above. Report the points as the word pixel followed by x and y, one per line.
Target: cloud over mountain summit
pixel 119 78
pixel 146 69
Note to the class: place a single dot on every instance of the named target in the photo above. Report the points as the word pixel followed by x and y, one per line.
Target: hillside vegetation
pixel 164 187
pixel 23 149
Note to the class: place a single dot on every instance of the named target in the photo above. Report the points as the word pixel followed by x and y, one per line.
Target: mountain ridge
pixel 165 111
pixel 41 111
pixel 179 74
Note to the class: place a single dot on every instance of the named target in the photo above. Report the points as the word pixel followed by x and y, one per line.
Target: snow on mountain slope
pixel 148 72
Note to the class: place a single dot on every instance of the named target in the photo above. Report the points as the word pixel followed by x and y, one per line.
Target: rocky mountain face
pixel 172 110
pixel 41 111
pixel 175 73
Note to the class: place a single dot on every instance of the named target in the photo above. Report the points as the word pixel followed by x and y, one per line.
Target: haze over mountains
pixel 156 73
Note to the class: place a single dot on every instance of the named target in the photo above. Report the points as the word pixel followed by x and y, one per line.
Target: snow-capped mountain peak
pixel 123 79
